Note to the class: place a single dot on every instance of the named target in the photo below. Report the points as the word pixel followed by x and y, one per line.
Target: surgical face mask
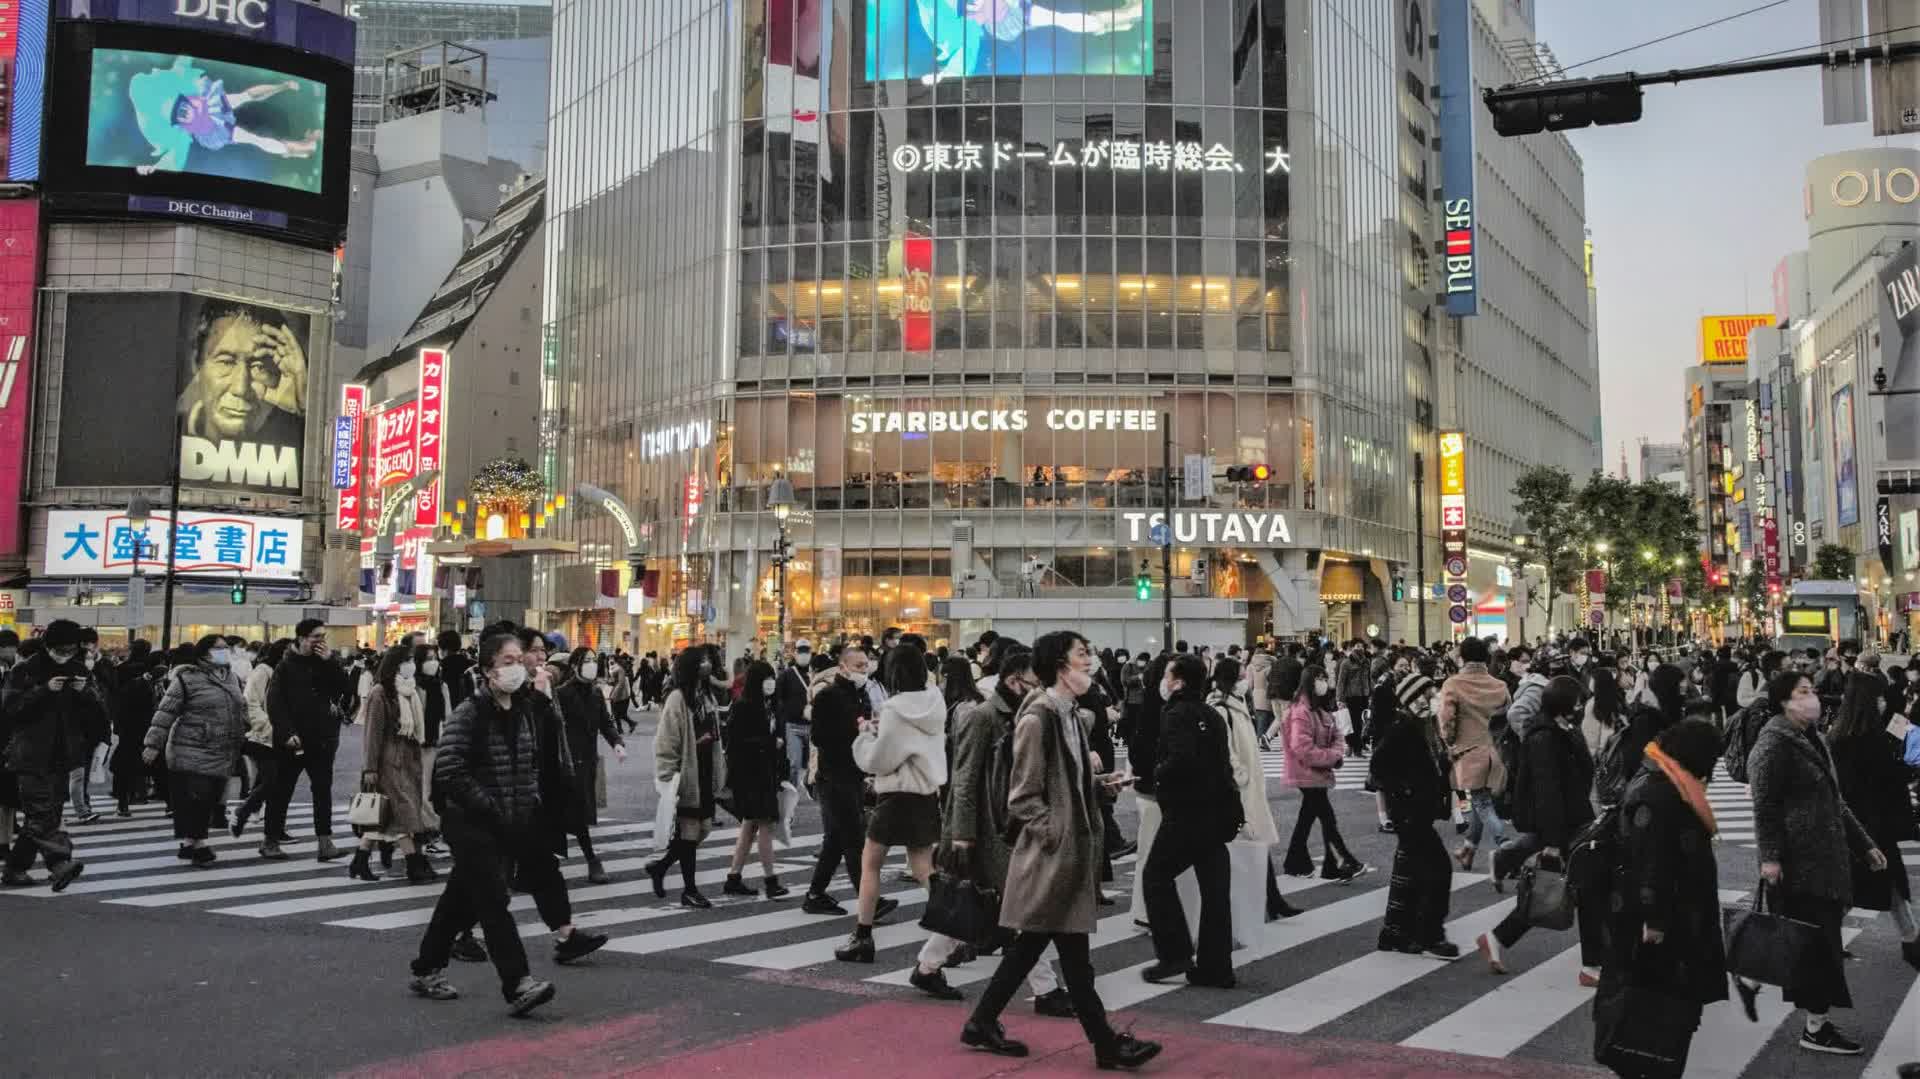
pixel 220 657
pixel 430 667
pixel 1242 686
pixel 803 657
pixel 406 671
pixel 91 659
pixel 1321 687
pixel 1167 689
pixel 1806 708
pixel 858 678
pixel 589 671
pixel 766 686
pixel 509 679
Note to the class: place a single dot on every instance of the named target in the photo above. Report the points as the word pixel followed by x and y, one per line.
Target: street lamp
pixel 139 515
pixel 780 500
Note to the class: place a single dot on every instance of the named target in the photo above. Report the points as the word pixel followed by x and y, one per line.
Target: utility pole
pixel 1420 537
pixel 1166 549
pixel 173 524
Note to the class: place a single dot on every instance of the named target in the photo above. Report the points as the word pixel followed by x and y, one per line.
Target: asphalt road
pixel 144 968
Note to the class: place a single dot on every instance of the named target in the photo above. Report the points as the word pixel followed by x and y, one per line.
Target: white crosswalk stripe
pixel 1316 974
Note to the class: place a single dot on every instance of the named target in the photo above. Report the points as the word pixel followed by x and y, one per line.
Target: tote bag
pixel 1641 1031
pixel 961 909
pixel 368 809
pixel 1766 946
pixel 1545 897
pixel 665 811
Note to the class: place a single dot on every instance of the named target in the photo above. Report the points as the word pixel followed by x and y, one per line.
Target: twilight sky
pixel 1690 208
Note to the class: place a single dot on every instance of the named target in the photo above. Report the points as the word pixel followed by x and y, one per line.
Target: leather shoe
pixel 858 949
pixel 1125 1051
pixel 1054 1004
pixel 992 1038
pixel 1165 971
pixel 934 985
pixel 1211 981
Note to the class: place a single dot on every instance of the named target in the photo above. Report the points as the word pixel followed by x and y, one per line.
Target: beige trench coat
pixel 1055 870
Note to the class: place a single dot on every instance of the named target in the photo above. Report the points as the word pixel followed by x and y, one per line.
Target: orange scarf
pixel 1690 787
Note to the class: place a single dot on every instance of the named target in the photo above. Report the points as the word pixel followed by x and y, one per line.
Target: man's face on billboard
pixel 235 373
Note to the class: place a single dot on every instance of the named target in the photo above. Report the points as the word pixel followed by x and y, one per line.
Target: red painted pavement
pixel 910 1039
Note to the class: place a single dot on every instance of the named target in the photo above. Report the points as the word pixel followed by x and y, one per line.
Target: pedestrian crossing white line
pixel 156 820
pixel 752 925
pixel 222 844
pixel 1518 1010
pixel 1726 1044
pixel 1901 1045
pixel 1325 997
pixel 1107 931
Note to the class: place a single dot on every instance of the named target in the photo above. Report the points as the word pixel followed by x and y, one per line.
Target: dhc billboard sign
pixel 1453 70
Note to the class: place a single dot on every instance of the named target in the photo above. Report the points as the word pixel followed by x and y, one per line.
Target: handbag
pixel 1641 1031
pixel 1545 897
pixel 1767 946
pixel 959 908
pixel 367 809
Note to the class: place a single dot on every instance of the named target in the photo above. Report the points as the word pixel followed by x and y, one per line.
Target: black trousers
pixel 1175 850
pixel 1316 804
pixel 1421 886
pixel 477 891
pixel 268 762
pixel 317 763
pixel 194 800
pixel 1357 712
pixel 42 796
pixel 1076 970
pixel 845 834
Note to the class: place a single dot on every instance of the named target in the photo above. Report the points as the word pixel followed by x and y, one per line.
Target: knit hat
pixel 1410 689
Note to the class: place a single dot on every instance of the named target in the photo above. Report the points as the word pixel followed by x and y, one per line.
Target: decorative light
pixel 457 527
pixel 460 506
pixel 526 520
pixel 560 500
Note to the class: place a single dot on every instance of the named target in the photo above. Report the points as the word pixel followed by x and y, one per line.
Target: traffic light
pixel 1399 589
pixel 1565 104
pixel 238 595
pixel 1143 585
pixel 1249 474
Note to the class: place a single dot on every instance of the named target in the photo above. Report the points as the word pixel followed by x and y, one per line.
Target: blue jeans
pixel 1483 820
pixel 799 736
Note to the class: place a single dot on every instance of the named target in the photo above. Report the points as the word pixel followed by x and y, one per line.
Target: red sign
pixel 353 405
pixel 432 427
pixel 916 314
pixel 396 448
pixel 19 276
pixel 1453 517
pixel 1770 547
pixel 691 500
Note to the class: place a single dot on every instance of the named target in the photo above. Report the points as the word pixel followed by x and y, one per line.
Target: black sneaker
pixel 1125 1051
pixel 820 904
pixel 87 818
pixel 468 950
pixel 858 949
pixel 692 898
pixel 1828 1039
pixel 774 889
pixel 528 995
pixel 1749 994
pixel 884 907
pixel 934 985
pixel 1054 1004
pixel 1165 971
pixel 1441 949
pixel 578 944
pixel 203 857
pixel 1391 942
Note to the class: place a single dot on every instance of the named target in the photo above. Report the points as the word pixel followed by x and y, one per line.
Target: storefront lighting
pixel 560 500
pixel 460 506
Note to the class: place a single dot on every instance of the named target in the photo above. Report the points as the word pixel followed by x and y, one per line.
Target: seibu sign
pixel 1002 419
pixel 1242 528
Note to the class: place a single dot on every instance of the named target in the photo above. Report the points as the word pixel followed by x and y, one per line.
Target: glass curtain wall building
pixel 956 281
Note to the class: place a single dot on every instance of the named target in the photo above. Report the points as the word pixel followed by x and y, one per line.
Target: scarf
pixel 1689 787
pixel 407 711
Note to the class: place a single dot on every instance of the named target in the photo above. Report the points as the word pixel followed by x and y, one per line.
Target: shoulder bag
pixel 1545 897
pixel 1766 946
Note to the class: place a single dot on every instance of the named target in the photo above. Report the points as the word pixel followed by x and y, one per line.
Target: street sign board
pixel 1457 565
pixel 1457 593
pixel 1160 534
pixel 1458 613
pixel 1198 477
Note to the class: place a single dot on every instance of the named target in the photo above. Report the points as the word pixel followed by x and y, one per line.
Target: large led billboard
pixel 161 112
pixel 148 119
pixel 236 372
pixel 938 40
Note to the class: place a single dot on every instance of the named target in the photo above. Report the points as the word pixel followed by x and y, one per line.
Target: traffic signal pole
pixel 1420 538
pixel 1166 549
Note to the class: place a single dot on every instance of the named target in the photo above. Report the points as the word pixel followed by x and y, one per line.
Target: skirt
pixel 905 820
pixel 1821 982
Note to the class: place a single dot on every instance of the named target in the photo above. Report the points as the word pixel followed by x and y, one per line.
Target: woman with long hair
pixel 584 709
pixel 1228 697
pixel 1314 751
pixel 687 745
pixel 957 686
pixel 1611 681
pixel 395 765
pixel 756 766
pixel 1874 777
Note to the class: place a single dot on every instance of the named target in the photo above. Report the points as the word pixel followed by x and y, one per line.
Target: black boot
pixel 735 886
pixel 359 869
pixel 419 870
pixel 386 857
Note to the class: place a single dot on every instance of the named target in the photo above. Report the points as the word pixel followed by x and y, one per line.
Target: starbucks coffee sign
pixel 1209 528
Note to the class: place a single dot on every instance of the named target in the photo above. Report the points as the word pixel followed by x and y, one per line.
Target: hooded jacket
pixel 201 722
pixel 907 753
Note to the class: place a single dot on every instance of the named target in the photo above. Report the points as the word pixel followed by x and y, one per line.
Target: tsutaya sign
pixel 1224 528
pixel 1003 419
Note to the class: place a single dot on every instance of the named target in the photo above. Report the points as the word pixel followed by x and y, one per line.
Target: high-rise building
pixel 978 293
pixel 390 26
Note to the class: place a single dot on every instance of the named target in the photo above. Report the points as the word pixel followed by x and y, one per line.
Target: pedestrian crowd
pixel 996 770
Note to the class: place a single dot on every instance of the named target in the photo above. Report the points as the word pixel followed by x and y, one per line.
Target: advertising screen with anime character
pixel 153 112
pixel 938 40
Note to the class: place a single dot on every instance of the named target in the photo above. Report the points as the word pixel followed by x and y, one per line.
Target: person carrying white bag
pixel 1229 699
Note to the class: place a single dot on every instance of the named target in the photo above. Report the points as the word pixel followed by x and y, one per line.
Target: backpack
pixel 1611 772
pixel 1506 744
pixel 1742 729
pixel 1590 855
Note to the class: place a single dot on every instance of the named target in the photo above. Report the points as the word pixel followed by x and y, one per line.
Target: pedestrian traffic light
pixel 1249 474
pixel 1399 589
pixel 1143 585
pixel 239 593
pixel 1564 105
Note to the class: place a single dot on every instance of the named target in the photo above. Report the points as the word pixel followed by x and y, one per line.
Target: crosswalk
pixel 1317 973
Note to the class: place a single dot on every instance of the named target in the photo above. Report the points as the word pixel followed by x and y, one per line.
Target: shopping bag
pixel 1246 889
pixel 1641 1031
pixel 959 908
pixel 1345 719
pixel 1544 896
pixel 1766 946
pixel 789 797
pixel 367 809
pixel 665 811
pixel 1910 747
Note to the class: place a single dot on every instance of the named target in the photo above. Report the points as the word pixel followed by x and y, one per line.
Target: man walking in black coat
pixel 838 710
pixel 1200 812
pixel 306 735
pixel 50 720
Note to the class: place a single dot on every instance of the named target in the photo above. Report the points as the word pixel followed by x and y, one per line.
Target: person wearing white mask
pixel 756 767
pixel 199 727
pixel 394 766
pixel 584 708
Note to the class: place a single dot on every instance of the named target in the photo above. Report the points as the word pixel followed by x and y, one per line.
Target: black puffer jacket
pixel 1407 769
pixel 42 730
pixel 1550 793
pixel 300 700
pixel 1194 775
pixel 488 764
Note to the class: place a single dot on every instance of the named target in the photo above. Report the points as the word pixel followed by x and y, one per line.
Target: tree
pixel 1833 562
pixel 1544 495
pixel 1648 531
pixel 1753 590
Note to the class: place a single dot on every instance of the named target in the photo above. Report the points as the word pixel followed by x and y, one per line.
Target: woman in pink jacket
pixel 1314 750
